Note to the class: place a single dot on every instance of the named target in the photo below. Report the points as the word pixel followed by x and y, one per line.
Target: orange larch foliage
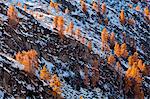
pixel 25 7
pixel 89 45
pixel 135 57
pixel 111 60
pixel 124 52
pixel 82 1
pixel 112 38
pixel 78 33
pixel 117 50
pixel 56 7
pixel 95 6
pixel 141 65
pixel 130 6
pixel 19 4
pixel 146 11
pixel 60 22
pixel 103 7
pixel 106 21
pixel 55 21
pixel 81 97
pixel 26 62
pixel 104 35
pixel 33 56
pixel 52 4
pixel 130 60
pixel 133 80
pixel 71 26
pixel 44 74
pixel 83 5
pixel 12 16
pixel 60 26
pixel 55 84
pixel 28 59
pixel 122 17
pixel 137 8
pixel 67 29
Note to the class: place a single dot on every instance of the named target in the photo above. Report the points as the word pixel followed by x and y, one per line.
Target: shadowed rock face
pixel 29 34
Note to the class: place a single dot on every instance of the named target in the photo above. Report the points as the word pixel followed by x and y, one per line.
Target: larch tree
pixel 111 60
pixel 56 7
pixel 12 16
pixel 25 7
pixel 122 17
pixel 95 6
pixel 55 84
pixel 133 80
pixel 141 65
pixel 33 56
pixel 124 52
pixel 44 74
pixel 28 59
pixel 130 60
pixel 104 35
pixel 55 21
pixel 135 57
pixel 51 4
pixel 103 7
pixel 117 50
pixel 60 26
pixel 78 33
pixel 60 22
pixel 146 11
pixel 137 8
pixel 27 65
pixel 130 6
pixel 71 26
pixel 89 45
pixel 83 5
pixel 106 21
pixel 19 4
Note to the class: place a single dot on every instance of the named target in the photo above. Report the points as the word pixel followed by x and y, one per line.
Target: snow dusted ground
pixel 88 31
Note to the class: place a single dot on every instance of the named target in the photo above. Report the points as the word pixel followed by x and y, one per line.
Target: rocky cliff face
pixel 68 55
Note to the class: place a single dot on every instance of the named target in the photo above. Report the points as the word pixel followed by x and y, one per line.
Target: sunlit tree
pixel 103 7
pixel 12 16
pixel 95 6
pixel 117 50
pixel 83 5
pixel 111 60
pixel 122 17
pixel 55 84
pixel 146 11
pixel 44 74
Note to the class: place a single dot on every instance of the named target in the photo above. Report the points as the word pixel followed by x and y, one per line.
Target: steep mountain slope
pixel 15 83
pixel 69 56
